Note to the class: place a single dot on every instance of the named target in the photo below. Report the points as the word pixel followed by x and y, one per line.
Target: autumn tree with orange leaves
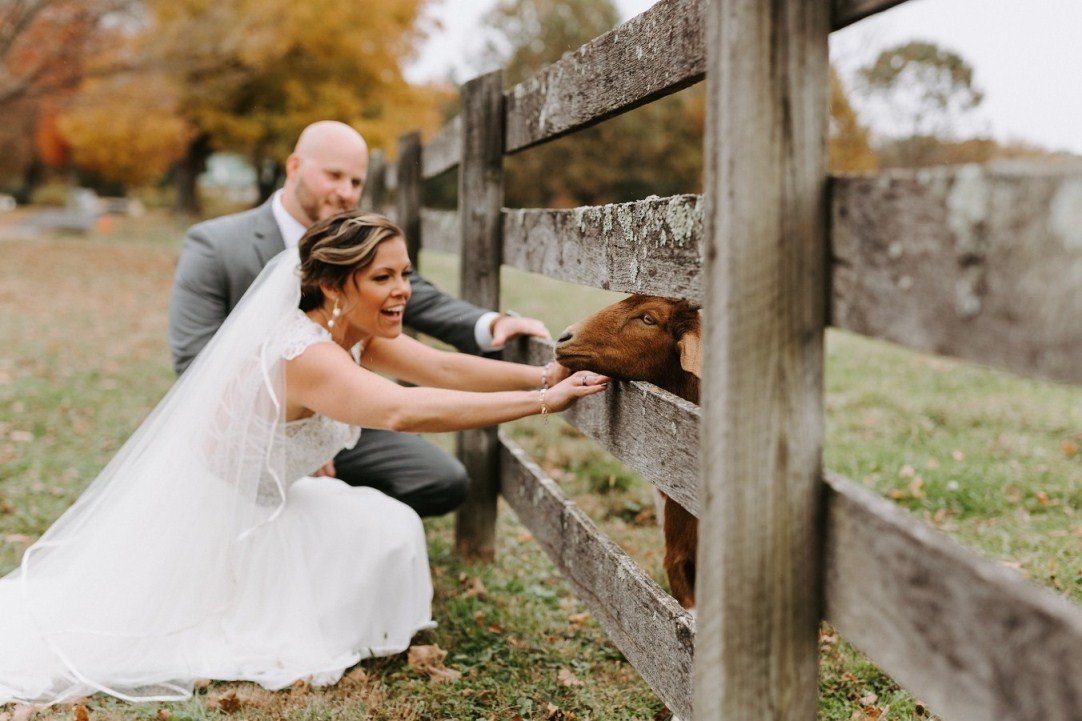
pixel 247 76
pixel 46 47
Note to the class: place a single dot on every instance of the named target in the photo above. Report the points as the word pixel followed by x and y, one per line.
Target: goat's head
pixel 639 338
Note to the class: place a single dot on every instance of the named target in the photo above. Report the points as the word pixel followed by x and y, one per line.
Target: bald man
pixel 220 258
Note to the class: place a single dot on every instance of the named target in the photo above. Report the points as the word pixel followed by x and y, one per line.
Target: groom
pixel 220 258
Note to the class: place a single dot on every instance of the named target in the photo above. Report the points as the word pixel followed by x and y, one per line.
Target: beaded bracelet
pixel 545 376
pixel 544 408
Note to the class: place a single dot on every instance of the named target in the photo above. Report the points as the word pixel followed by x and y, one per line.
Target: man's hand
pixel 506 327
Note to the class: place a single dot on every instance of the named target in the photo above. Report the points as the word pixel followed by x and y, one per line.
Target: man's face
pixel 328 185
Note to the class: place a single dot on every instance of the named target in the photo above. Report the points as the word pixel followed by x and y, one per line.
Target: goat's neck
pixel 683 384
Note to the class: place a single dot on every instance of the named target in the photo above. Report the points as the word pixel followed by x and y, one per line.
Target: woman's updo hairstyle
pixel 335 248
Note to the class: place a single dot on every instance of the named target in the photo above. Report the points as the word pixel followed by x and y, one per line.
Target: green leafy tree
pixel 925 94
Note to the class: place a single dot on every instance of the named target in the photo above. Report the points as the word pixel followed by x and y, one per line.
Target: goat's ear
pixel 691 352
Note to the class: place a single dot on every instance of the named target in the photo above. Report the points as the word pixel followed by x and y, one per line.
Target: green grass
pixel 986 456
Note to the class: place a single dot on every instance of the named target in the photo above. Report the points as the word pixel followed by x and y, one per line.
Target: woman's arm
pixel 414 362
pixel 325 380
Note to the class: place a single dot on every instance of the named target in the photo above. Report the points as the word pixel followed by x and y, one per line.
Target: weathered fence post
pixel 408 197
pixel 759 552
pixel 375 185
pixel 480 200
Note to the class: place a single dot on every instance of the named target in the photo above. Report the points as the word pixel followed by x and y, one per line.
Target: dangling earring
pixel 335 313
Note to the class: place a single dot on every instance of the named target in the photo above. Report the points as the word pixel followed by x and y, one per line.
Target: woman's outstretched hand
pixel 577 385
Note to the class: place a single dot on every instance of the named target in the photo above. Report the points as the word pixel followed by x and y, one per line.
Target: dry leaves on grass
pixel 428 661
pixel 567 678
pixel 245 697
pixel 475 588
pixel 579 619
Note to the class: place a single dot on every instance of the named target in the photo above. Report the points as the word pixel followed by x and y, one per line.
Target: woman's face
pixel 373 304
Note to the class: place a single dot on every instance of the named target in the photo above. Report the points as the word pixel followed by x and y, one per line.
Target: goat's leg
pixel 681 530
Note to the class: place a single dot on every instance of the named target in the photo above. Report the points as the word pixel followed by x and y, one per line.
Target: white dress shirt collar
pixel 290 228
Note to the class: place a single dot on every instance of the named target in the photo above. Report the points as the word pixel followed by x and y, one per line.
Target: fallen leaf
pixel 476 589
pixel 567 678
pixel 428 661
pixel 164 714
pixel 356 677
pixel 1070 448
pixel 555 713
pixel 916 487
pixel 579 619
pixel 227 702
pixel 81 712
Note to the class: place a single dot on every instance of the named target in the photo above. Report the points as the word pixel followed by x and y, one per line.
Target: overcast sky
pixel 1026 55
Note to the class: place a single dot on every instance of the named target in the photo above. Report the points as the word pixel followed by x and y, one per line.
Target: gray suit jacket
pixel 220 259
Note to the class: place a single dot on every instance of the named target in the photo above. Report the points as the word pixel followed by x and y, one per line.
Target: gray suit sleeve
pixel 443 317
pixel 200 299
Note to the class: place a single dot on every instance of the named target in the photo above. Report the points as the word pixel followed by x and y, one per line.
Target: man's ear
pixel 293 162
pixel 691 352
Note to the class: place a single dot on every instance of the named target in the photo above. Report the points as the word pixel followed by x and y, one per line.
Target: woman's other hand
pixel 577 385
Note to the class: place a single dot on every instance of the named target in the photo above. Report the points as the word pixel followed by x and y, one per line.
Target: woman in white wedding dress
pixel 205 550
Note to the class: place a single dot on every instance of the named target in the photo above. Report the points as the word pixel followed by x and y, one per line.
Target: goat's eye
pixel 648 319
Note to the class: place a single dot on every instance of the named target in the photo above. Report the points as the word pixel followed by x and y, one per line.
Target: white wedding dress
pixel 204 551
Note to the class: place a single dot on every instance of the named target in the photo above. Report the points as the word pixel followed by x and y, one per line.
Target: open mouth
pixel 394 312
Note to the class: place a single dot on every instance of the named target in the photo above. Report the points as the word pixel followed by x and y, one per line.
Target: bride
pixel 204 550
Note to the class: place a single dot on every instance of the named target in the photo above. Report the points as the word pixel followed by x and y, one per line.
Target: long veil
pixel 152 548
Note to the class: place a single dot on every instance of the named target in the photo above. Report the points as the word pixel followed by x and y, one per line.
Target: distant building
pixel 231 177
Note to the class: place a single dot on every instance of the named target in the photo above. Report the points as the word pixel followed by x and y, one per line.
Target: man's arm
pixel 200 299
pixel 443 317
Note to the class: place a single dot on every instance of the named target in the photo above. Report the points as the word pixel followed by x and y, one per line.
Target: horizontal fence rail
pixel 653 246
pixel 979 264
pixel 983 264
pixel 652 55
pixel 645 623
pixel 969 636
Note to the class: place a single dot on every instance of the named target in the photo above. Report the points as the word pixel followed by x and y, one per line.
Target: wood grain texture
pixel 969 636
pixel 649 56
pixel 443 151
pixel 984 265
pixel 653 246
pixel 480 199
pixel 645 623
pixel 441 231
pixel 762 427
pixel 374 195
pixel 408 197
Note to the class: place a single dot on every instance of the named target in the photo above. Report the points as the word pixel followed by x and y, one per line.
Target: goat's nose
pixel 565 336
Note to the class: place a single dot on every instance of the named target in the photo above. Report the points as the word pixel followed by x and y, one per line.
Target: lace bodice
pixel 314 440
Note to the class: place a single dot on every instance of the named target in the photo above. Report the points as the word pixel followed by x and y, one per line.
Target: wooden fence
pixel 963 261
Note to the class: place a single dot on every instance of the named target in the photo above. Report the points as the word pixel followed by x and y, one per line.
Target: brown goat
pixel 656 340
